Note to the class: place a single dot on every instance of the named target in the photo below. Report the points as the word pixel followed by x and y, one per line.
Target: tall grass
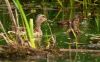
pixel 97 20
pixel 60 8
pixel 11 13
pixel 4 34
pixel 28 29
pixel 71 9
pixel 85 8
pixel 60 3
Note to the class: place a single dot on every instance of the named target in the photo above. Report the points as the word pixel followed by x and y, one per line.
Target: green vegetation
pixel 72 24
pixel 28 29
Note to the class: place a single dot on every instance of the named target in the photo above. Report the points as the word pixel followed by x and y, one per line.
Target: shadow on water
pixel 69 57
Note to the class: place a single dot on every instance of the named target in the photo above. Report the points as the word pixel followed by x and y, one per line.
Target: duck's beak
pixel 50 21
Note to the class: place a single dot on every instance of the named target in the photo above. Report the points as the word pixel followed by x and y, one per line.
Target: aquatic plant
pixel 56 10
pixel 28 29
pixel 21 35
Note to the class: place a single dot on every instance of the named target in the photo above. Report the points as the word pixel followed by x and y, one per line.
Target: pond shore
pixel 9 52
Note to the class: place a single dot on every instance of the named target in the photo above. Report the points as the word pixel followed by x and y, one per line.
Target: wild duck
pixel 37 31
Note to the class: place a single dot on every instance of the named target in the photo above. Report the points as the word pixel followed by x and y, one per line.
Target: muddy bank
pixel 22 52
pixel 10 52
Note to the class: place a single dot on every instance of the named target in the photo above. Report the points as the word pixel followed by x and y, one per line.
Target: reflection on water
pixel 76 57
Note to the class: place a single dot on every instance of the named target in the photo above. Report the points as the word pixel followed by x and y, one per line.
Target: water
pixel 75 57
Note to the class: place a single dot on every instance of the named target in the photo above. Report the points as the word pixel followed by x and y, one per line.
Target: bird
pixel 38 32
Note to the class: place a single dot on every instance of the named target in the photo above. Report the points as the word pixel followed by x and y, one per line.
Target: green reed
pixel 60 3
pixel 85 3
pixel 5 34
pixel 97 20
pixel 27 26
pixel 70 17
pixel 71 9
pixel 6 37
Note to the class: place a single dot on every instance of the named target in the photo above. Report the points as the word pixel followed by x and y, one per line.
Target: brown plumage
pixel 38 32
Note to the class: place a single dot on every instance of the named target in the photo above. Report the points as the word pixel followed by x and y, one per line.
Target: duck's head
pixel 40 19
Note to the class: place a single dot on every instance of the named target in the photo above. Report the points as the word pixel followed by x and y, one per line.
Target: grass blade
pixel 19 7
